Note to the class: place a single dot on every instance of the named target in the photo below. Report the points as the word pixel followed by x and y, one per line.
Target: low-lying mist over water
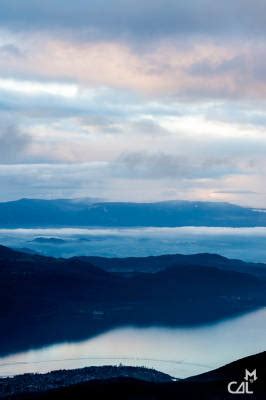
pixel 248 244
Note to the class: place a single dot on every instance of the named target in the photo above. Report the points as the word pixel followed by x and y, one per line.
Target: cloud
pixel 10 50
pixel 174 166
pixel 125 125
pixel 101 180
pixel 51 180
pixel 232 191
pixel 200 70
pixel 109 98
pixel 13 143
pixel 87 44
pixel 144 19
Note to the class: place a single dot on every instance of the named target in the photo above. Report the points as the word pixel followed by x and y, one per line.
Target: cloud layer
pixel 133 100
pixel 142 19
pixel 196 69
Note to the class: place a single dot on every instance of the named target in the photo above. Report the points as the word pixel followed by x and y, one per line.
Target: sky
pixel 133 100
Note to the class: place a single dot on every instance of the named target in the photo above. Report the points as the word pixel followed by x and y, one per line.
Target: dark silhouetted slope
pixel 137 384
pixel 45 300
pixel 158 263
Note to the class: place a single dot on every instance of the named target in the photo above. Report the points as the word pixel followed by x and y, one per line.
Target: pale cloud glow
pixel 200 125
pixel 35 88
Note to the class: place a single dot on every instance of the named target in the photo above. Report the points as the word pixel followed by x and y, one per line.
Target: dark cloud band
pixel 137 18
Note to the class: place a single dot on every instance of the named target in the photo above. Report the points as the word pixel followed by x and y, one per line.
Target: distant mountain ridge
pixel 30 213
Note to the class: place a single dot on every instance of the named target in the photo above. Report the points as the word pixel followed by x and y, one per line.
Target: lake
pixel 180 352
pixel 245 243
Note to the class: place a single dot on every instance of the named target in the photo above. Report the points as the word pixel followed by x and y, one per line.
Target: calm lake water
pixel 180 352
pixel 244 243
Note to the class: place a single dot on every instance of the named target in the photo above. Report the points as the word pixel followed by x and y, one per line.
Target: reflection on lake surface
pixel 180 352
pixel 244 243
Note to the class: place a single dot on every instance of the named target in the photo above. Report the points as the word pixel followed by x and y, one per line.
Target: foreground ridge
pixel 133 382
